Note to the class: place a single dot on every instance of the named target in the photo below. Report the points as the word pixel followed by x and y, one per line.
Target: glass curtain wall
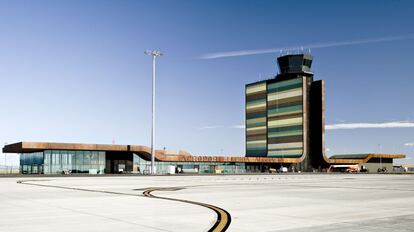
pixel 144 166
pixel 93 162
pixel 31 163
pixel 63 162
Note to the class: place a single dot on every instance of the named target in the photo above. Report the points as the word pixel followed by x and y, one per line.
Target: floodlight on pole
pixel 154 55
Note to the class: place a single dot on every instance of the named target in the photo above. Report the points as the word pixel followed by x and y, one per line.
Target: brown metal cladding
pixel 285 139
pixel 256 137
pixel 168 156
pixel 285 101
pixel 256 96
pixel 274 104
pixel 256 132
pixel 261 109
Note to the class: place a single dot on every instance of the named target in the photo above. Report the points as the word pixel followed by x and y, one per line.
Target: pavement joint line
pixel 337 204
pixel 356 223
pixel 88 190
pixel 353 188
pixel 223 217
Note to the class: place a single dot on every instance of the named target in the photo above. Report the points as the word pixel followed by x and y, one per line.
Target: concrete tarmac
pixel 278 202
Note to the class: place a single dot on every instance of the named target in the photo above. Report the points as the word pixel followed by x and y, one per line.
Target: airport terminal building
pixel 73 158
pixel 285 126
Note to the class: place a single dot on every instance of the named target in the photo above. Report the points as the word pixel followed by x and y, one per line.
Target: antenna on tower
pixel 113 140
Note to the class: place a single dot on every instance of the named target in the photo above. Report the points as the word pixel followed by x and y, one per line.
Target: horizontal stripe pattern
pixel 285 145
pixel 251 89
pixel 284 129
pixel 290 109
pixel 256 122
pixel 258 104
pixel 285 139
pixel 255 137
pixel 256 119
pixel 285 122
pixel 255 115
pixel 274 118
pixel 258 133
pixel 285 118
pixel 257 142
pixel 286 154
pixel 277 85
pixel 284 94
pixel 253 120
pixel 283 134
pixel 256 96
pixel 256 128
pixel 285 102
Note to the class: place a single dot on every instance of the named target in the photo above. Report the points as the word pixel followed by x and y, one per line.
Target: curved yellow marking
pixel 223 217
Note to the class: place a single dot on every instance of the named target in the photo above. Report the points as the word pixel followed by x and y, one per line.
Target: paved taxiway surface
pixel 305 202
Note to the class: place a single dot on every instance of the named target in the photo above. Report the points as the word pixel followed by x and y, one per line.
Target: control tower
pixel 279 113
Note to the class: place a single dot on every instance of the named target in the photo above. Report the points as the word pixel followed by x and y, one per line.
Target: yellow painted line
pixel 223 217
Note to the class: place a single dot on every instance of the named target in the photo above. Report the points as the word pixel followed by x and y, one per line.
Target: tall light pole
pixel 154 55
pixel 380 151
pixel 5 160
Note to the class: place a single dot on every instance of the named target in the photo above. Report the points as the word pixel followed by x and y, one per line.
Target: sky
pixel 75 71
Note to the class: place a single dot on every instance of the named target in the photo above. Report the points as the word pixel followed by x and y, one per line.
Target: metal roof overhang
pixel 173 156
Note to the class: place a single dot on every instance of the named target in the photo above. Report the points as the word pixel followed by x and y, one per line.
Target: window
pixel 94 158
pixel 55 158
pixel 79 161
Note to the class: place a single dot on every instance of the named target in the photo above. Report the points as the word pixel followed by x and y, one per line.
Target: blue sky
pixel 75 71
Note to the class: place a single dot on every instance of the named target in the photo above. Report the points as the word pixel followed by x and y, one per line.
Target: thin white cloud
pixel 309 46
pixel 409 144
pixel 208 127
pixel 238 126
pixel 349 126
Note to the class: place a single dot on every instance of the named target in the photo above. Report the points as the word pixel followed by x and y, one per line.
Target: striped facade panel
pixel 256 119
pixel 285 119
